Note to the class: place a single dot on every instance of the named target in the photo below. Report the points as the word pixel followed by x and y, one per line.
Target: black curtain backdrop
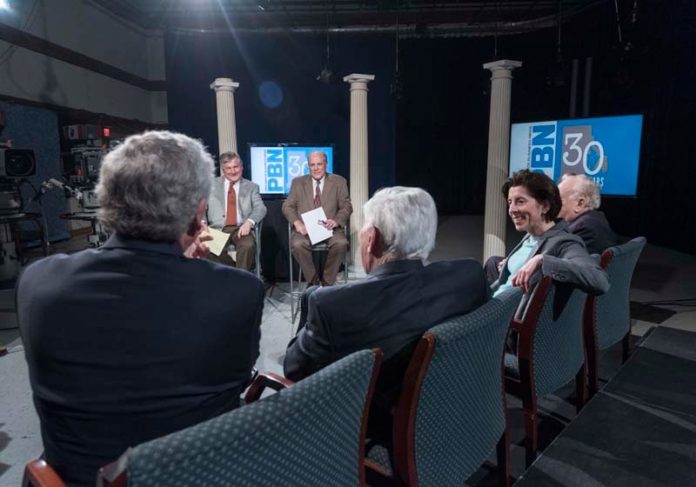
pixel 310 112
pixel 436 135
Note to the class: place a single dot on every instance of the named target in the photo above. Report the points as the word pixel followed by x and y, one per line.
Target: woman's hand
pixel 523 276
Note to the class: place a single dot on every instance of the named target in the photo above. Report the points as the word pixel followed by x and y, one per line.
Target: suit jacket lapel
pixel 220 189
pixel 328 187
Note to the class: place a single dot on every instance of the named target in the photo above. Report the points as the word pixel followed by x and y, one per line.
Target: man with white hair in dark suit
pixel 400 299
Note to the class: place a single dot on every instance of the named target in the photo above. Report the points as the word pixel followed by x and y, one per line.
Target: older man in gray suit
pixel 235 207
pixel 330 191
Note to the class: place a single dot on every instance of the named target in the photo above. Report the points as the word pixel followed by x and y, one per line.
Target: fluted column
pixel 227 126
pixel 359 177
pixel 498 156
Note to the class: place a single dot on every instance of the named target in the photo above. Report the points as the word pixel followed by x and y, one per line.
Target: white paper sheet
pixel 314 223
pixel 219 241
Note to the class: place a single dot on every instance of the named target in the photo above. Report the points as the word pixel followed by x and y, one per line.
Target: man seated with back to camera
pixel 581 199
pixel 134 340
pixel 235 207
pixel 330 191
pixel 391 308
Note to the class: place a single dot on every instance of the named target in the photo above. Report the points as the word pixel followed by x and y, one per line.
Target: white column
pixel 359 177
pixel 498 156
pixel 227 126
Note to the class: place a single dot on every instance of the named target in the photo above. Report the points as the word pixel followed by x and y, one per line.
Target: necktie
pixel 231 218
pixel 317 196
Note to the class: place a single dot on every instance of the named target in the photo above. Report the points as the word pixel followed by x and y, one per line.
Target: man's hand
pixel 245 229
pixel 198 249
pixel 300 227
pixel 523 276
pixel 330 224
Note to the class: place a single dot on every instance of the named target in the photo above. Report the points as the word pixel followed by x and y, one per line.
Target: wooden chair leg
pixel 626 345
pixel 580 388
pixel 592 369
pixel 531 441
pixel 503 454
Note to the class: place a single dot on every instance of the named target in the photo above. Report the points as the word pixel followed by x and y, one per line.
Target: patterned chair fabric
pixel 308 434
pixel 558 344
pixel 461 409
pixel 612 310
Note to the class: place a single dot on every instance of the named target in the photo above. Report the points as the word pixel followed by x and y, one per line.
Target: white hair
pixel 406 218
pixel 586 188
pixel 150 186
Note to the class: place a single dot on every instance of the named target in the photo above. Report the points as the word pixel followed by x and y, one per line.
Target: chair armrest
pixel 263 380
pixel 516 325
pixel 38 473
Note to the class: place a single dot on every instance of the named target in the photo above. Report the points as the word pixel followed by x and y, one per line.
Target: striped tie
pixel 317 196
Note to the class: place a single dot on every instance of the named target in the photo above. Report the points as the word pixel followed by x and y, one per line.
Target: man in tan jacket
pixel 330 191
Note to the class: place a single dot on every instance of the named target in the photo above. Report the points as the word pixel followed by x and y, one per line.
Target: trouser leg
pixel 491 268
pixel 246 250
pixel 301 250
pixel 338 246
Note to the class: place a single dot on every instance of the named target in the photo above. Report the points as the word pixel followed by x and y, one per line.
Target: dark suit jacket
pixel 390 309
pixel 130 342
pixel 335 199
pixel 593 228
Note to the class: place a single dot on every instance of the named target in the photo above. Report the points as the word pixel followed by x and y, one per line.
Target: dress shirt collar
pixel 320 183
pixel 397 267
pixel 117 241
pixel 236 185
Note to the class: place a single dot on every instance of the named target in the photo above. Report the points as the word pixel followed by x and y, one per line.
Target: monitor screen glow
pixel 606 149
pixel 273 167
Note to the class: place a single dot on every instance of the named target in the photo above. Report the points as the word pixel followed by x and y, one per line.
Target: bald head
pixel 579 194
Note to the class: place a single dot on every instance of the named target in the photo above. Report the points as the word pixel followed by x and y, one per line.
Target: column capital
pixel 503 64
pixel 224 84
pixel 359 78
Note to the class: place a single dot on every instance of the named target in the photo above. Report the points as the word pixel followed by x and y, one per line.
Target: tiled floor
pixel 661 275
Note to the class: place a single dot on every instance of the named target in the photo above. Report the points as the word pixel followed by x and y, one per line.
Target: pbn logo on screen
pixel 281 166
pixel 274 165
pixel 580 153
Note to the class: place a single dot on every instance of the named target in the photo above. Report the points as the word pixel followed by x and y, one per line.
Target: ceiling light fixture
pixel 327 76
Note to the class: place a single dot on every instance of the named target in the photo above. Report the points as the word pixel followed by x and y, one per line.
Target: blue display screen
pixel 274 167
pixel 606 149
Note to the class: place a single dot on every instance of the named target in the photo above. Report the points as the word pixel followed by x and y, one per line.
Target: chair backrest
pixel 452 411
pixel 309 434
pixel 612 310
pixel 552 330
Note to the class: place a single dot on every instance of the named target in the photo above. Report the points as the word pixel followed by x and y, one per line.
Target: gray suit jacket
pixel 335 199
pixel 248 200
pixel 565 259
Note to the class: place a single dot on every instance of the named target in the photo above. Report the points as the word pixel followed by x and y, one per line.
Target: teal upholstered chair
pixel 607 317
pixel 550 352
pixel 451 412
pixel 310 434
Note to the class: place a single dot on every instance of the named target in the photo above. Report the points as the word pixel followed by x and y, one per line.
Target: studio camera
pixel 15 165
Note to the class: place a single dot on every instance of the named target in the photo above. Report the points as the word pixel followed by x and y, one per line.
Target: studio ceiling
pixel 417 17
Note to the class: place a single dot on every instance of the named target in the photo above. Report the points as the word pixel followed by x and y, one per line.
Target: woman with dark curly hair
pixel 548 248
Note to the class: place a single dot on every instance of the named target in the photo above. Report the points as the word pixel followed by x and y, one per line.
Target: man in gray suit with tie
pixel 235 206
pixel 330 191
